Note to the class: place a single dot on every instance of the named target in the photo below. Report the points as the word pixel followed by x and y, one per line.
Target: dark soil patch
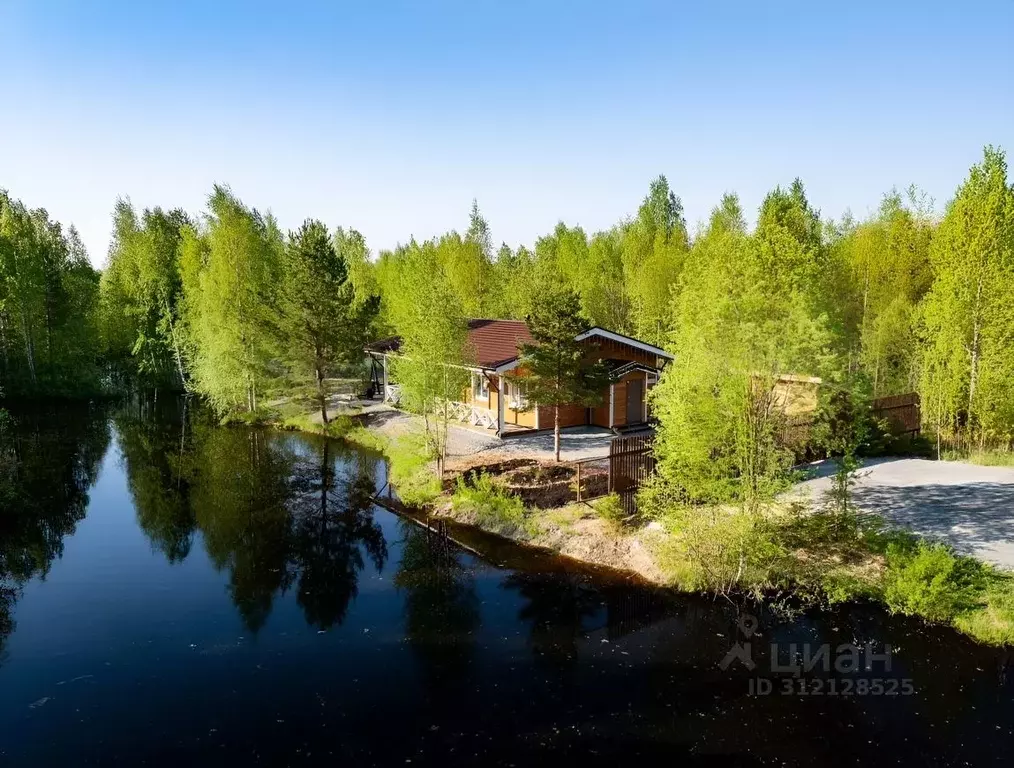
pixel 546 487
pixel 542 475
pixel 493 470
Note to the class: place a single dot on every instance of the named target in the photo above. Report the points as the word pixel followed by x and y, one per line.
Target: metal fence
pixel 631 462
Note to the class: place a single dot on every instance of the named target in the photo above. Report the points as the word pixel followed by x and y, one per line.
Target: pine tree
pixel 557 371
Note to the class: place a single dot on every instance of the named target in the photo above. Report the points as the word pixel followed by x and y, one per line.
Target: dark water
pixel 180 594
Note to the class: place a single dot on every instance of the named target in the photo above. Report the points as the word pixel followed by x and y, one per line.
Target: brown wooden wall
pixel 570 416
pixel 901 412
pixel 600 415
pixel 607 348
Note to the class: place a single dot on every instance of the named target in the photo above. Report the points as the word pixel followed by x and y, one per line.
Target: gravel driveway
pixel 969 506
pixel 467 447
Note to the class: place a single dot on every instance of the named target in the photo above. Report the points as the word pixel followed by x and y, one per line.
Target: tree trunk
pixel 973 374
pixel 3 340
pixel 321 394
pixel 556 431
pixel 29 347
pixel 176 345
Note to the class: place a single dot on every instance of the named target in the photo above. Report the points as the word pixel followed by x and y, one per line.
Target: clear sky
pixel 391 116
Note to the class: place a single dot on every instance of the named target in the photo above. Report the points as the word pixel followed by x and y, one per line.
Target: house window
pixel 480 386
pixel 517 395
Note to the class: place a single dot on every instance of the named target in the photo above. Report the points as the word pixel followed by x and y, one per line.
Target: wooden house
pixel 499 402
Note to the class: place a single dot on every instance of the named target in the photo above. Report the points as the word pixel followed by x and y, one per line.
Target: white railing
pixel 392 393
pixel 470 414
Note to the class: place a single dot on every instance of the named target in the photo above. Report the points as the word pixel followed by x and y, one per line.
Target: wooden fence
pixel 631 462
pixel 901 413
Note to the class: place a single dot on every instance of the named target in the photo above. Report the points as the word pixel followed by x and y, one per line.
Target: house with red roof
pixel 499 402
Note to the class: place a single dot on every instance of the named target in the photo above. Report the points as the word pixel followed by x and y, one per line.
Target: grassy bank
pixel 799 552
pixel 796 553
pixel 825 558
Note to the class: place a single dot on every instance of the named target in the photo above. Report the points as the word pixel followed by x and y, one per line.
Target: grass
pixel 987 458
pixel 610 509
pixel 828 558
pixel 494 509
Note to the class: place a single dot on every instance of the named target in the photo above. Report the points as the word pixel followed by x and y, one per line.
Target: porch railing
pixel 470 414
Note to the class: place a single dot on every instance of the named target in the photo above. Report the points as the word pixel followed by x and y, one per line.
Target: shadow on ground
pixel 976 518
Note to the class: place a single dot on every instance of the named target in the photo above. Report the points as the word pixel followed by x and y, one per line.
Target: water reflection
pixel 157 458
pixel 558 610
pixel 122 658
pixel 273 511
pixel 442 610
pixel 49 459
pixel 332 529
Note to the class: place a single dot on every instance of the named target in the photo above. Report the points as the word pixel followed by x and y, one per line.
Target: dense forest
pixel 226 305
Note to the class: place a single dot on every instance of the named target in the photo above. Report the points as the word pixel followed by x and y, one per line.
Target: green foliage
pixel 993 622
pixel 141 294
pixel 843 426
pixel 967 381
pixel 231 269
pixel 409 469
pixel 929 580
pixel 49 296
pixel 321 324
pixel 610 509
pixel 493 508
pixel 654 248
pixel 743 315
pixel 427 315
pixel 557 369
pixel 717 549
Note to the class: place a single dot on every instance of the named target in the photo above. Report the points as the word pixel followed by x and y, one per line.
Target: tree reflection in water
pixel 49 459
pixel 156 455
pixel 441 606
pixel 557 608
pixel 333 525
pixel 273 510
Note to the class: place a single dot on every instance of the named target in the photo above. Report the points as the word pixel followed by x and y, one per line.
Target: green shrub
pixel 610 509
pixel 994 621
pixel 932 582
pixel 717 549
pixel 843 585
pixel 493 508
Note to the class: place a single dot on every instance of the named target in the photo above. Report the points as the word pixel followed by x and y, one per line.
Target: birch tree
pixel 229 284
pixel 428 316
pixel 967 382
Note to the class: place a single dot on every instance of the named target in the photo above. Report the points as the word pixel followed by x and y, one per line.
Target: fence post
pixel 579 481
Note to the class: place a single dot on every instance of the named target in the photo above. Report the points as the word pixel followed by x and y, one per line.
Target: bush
pixel 493 508
pixel 931 581
pixel 610 509
pixel 717 549
pixel 994 621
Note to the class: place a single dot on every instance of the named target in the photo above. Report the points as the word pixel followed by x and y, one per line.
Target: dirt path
pixel 969 506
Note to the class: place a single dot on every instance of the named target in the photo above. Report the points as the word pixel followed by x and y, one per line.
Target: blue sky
pixel 391 116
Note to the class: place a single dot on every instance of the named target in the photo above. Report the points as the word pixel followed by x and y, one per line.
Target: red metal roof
pixel 490 342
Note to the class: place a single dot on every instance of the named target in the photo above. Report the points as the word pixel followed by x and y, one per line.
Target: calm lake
pixel 179 593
